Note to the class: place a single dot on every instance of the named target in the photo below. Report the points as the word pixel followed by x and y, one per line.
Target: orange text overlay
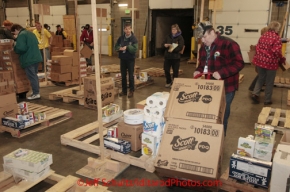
pixel 149 183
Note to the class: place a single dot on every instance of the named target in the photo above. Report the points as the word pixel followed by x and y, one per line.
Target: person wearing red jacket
pixel 267 59
pixel 87 38
pixel 222 57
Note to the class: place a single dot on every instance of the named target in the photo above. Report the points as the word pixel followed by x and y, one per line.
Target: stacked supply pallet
pixel 61 68
pixel 10 62
pixel 59 45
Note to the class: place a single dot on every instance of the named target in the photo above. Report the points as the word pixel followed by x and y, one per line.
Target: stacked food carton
pixel 154 122
pixel 191 145
pixel 59 45
pixel 23 117
pixel 254 154
pixel 61 68
pixel 27 164
pixel 8 103
pixel 10 62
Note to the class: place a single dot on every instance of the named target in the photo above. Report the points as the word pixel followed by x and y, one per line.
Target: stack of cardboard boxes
pixel 191 145
pixel 27 165
pixel 8 103
pixel 65 67
pixel 10 62
pixel 59 45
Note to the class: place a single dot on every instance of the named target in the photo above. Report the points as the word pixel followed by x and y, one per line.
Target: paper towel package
pixel 33 161
pixel 158 99
pixel 280 169
pixel 246 147
pixel 153 126
pixel 149 143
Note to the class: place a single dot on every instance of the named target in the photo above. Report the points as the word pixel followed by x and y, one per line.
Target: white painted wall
pixel 18 15
pixel 55 18
pixel 171 4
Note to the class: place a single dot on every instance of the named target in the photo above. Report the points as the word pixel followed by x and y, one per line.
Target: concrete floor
pixel 67 160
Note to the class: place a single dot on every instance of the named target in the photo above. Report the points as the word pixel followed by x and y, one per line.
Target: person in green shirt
pixel 27 48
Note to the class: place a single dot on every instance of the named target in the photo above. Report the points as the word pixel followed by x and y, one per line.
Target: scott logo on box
pixel 149 126
pixel 184 97
pixel 179 144
pixel 162 163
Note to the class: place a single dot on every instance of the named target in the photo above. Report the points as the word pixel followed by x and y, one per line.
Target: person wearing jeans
pixel 222 57
pixel 27 48
pixel 127 46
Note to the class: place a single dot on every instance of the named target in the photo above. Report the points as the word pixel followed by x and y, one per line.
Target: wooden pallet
pixel 115 68
pixel 64 184
pixel 158 72
pixel 241 78
pixel 278 118
pixel 90 133
pixel 138 84
pixel 282 82
pixel 67 95
pixel 67 83
pixel 233 185
pixel 53 116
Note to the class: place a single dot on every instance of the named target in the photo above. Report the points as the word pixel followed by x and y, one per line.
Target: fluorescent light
pixel 123 5
pixel 102 29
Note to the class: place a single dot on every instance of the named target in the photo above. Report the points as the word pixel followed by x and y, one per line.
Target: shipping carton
pixel 7 99
pixel 74 56
pixel 192 148
pixel 62 60
pixel 13 123
pixel 250 170
pixel 86 51
pixel 60 77
pixel 196 99
pixel 149 144
pixel 117 144
pixel 141 104
pixel 75 72
pixel 8 110
pixel 26 175
pixel 246 147
pixel 131 133
pixel 281 169
pixel 56 53
pixel 90 92
pixel 34 161
pixel 61 68
pixel 285 139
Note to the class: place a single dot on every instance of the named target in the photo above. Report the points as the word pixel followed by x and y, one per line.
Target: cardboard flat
pixel 191 147
pixel 61 68
pixel 86 51
pixel 197 100
pixel 131 133
pixel 60 77
pixel 90 92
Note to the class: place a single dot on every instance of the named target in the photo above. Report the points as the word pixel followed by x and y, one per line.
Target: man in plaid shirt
pixel 222 57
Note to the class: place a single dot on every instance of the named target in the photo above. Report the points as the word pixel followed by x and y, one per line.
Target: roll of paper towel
pixel 134 116
pixel 162 100
pixel 158 126
pixel 149 111
pixel 158 112
pixel 152 100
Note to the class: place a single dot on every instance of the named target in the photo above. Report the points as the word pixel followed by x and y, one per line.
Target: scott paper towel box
pixel 26 175
pixel 33 161
pixel 280 169
pixel 153 125
pixel 246 147
pixel 250 170
pixel 196 100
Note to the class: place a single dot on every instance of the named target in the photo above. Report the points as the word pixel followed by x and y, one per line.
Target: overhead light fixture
pixel 123 5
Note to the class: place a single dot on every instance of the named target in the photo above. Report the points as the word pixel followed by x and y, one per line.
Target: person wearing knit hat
pixel 5 30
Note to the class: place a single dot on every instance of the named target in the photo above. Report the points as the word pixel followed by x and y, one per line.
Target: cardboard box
pixel 62 60
pixel 13 123
pixel 285 139
pixel 75 72
pixel 8 110
pixel 6 76
pixel 56 53
pixel 90 92
pixel 61 68
pixel 74 56
pixel 141 104
pixel 60 77
pixel 34 161
pixel 67 43
pixel 183 139
pixel 86 51
pixel 57 40
pixel 57 49
pixel 117 144
pixel 7 99
pixel 250 170
pixel 26 175
pixel 149 144
pixel 246 147
pixel 7 89
pixel 6 42
pixel 197 100
pixel 264 148
pixel 280 169
pixel 131 133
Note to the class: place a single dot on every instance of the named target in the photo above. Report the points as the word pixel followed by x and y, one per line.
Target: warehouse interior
pixel 154 24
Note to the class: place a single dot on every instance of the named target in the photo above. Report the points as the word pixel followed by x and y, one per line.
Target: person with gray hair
pixel 268 57
pixel 174 44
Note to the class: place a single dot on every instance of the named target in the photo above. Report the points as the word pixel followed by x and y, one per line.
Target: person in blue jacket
pixel 27 48
pixel 127 46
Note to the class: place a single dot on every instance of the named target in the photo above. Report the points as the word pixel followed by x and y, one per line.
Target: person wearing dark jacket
pixel 127 46
pixel 174 44
pixel 87 38
pixel 5 31
pixel 27 48
pixel 60 31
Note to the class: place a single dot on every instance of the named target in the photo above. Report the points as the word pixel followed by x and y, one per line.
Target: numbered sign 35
pixel 225 30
